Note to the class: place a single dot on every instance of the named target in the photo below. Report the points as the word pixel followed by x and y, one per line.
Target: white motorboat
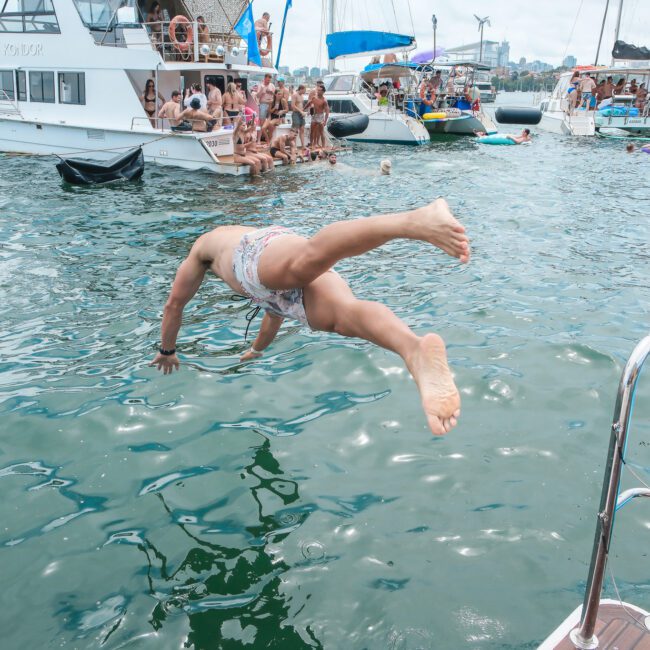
pixel 73 72
pixel 388 123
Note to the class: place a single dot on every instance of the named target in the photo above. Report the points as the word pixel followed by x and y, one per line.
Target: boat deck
pixel 617 628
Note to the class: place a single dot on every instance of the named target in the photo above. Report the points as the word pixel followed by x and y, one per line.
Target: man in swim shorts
pixel 290 276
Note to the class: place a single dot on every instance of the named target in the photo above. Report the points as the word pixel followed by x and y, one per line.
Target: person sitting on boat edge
pixel 290 276
pixel 278 148
pixel 241 155
pixel 200 120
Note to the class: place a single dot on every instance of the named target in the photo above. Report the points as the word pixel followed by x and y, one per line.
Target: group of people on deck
pixel 268 105
pixel 586 92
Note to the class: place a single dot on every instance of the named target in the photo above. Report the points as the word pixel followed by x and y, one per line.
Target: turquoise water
pixel 300 501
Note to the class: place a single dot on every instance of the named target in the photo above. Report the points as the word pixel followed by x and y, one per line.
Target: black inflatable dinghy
pixel 128 166
pixel 514 115
pixel 345 127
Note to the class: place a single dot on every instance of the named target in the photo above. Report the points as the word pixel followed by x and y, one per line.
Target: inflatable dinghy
pixel 128 166
pixel 345 127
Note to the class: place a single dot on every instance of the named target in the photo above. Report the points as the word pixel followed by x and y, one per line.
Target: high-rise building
pixel 570 61
pixel 314 73
pixel 503 54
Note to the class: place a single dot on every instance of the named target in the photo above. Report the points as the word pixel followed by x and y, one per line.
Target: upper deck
pixel 121 34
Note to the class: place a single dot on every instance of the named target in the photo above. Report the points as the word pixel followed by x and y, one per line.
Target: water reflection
pixel 231 595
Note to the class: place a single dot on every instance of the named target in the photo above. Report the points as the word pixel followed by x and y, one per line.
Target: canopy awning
pixel 629 52
pixel 359 43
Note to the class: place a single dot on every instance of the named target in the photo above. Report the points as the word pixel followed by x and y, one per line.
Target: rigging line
pixel 392 2
pixel 636 476
pixel 411 16
pixel 634 619
pixel 575 22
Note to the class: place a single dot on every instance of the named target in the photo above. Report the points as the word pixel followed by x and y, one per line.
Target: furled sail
pixel 366 42
pixel 624 50
pixel 221 15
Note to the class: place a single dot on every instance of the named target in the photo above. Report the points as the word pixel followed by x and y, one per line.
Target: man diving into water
pixel 291 276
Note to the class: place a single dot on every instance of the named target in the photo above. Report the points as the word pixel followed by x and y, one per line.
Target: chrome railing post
pixel 583 637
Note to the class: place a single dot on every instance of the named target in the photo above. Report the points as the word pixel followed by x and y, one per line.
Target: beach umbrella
pixel 427 55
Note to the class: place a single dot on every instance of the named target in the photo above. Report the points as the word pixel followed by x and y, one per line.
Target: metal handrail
pixel 583 637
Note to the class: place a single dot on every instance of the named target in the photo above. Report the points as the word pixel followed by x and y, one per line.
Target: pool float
pixel 495 138
pixel 645 148
pixel 434 116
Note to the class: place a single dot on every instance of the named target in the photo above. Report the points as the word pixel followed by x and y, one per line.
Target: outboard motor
pixel 514 115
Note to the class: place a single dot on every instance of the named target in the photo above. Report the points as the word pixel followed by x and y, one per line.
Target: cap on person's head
pixel 195 104
pixel 280 79
pixel 385 166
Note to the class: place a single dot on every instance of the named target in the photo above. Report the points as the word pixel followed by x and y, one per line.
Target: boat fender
pixel 434 116
pixel 344 127
pixel 181 46
pixel 495 138
pixel 514 115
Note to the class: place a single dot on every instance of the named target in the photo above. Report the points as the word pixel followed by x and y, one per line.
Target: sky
pixel 547 30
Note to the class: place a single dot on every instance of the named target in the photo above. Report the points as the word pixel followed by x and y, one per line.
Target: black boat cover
pixel 624 50
pixel 82 171
pixel 344 127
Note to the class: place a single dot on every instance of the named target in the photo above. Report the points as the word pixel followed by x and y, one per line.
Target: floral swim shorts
pixel 246 258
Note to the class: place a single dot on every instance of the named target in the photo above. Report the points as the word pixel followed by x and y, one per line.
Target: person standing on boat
pixel 641 96
pixel 319 119
pixel 233 103
pixel 154 21
pixel 263 29
pixel 196 92
pixel 148 99
pixel 290 276
pixel 608 88
pixel 264 96
pixel 298 113
pixel 215 100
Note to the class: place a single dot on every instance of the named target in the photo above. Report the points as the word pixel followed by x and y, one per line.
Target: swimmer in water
pixel 290 276
pixel 524 136
pixel 385 167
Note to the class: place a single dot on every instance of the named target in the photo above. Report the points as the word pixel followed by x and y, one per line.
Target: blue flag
pixel 246 29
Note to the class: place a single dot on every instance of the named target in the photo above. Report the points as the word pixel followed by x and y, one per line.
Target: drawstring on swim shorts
pixel 250 314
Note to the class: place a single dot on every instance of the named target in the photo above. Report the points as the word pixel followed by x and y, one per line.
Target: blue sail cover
pixel 364 42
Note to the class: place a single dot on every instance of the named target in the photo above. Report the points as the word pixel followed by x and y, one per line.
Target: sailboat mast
pixel 618 24
pixel 331 29
pixel 602 29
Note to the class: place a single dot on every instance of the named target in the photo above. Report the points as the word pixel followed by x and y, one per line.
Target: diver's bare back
pixel 215 249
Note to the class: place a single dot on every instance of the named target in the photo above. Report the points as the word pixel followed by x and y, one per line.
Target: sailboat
pixel 350 92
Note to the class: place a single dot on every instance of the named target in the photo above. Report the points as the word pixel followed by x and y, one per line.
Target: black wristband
pixel 167 353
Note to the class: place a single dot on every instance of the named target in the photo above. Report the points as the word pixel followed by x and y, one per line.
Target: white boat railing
pixel 8 105
pixel 611 500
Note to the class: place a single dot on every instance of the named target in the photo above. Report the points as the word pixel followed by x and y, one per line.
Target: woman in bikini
pixel 233 103
pixel 243 157
pixel 148 99
pixel 252 149
pixel 279 108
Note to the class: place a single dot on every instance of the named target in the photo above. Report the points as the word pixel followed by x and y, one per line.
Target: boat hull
pixel 170 149
pixel 390 129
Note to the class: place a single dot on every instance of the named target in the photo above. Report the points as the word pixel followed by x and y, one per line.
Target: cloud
pixel 546 30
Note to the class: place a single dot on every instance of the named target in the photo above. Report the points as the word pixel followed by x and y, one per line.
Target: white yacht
pixel 619 116
pixel 73 72
pixel 348 93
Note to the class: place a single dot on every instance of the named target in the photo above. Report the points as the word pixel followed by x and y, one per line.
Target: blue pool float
pixel 495 138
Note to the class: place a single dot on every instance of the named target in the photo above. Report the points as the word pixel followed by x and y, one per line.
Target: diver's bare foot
pixel 440 398
pixel 436 224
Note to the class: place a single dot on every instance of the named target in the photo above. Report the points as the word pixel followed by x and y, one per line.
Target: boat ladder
pixel 611 500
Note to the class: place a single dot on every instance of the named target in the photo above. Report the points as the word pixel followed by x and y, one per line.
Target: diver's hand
pixel 166 363
pixel 250 354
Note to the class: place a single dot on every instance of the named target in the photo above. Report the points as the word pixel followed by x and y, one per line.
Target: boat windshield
pixel 97 14
pixel 339 83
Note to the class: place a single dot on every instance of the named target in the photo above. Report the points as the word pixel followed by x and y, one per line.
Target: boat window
pixel 72 87
pixel 344 83
pixel 21 85
pixel 41 87
pixel 342 106
pixel 7 85
pixel 97 14
pixel 27 16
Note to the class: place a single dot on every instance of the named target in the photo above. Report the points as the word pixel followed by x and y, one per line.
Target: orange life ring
pixel 181 46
